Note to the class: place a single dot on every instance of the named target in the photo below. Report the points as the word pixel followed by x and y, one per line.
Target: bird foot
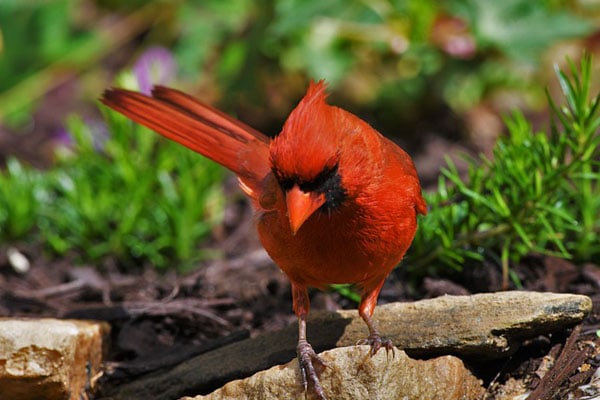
pixel 376 343
pixel 310 362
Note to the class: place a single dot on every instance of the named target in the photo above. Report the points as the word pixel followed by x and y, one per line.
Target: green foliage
pixel 33 36
pixel 391 45
pixel 519 28
pixel 131 196
pixel 21 193
pixel 511 37
pixel 317 37
pixel 209 26
pixel 383 53
pixel 539 193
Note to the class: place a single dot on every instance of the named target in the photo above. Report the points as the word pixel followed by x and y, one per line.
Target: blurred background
pixel 413 69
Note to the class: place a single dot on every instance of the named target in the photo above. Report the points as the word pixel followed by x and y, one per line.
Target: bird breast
pixel 354 244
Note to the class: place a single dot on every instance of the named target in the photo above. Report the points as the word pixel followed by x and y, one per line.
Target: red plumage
pixel 336 202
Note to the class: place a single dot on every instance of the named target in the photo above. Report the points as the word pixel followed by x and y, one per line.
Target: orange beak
pixel 301 205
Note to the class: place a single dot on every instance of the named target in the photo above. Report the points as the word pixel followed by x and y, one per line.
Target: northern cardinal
pixel 336 202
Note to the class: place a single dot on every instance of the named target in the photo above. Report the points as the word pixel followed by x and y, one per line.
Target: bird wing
pixel 409 170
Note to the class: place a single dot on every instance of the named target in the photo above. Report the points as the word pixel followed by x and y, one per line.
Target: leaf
pixel 522 29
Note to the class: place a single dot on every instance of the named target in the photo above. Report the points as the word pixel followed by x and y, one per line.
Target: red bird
pixel 336 202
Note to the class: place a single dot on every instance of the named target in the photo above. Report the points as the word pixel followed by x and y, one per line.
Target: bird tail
pixel 200 127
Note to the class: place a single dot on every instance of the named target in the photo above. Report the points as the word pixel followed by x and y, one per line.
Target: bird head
pixel 306 157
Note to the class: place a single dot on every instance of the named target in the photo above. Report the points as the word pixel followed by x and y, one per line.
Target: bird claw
pixel 376 342
pixel 308 360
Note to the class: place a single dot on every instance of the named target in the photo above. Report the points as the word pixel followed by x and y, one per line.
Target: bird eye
pixel 285 182
pixel 325 181
pixel 320 182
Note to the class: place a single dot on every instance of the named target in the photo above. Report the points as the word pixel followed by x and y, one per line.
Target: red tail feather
pixel 201 128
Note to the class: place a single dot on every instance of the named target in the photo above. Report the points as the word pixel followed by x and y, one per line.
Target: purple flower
pixel 155 66
pixel 62 138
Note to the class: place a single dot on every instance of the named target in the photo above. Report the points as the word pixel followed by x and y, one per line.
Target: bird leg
pixel 374 339
pixel 307 358
pixel 365 310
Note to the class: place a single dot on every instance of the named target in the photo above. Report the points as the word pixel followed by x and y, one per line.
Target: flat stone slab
pixel 49 358
pixel 490 325
pixel 353 374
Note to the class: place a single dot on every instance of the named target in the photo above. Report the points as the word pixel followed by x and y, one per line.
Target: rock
pixel 49 358
pixel 353 374
pixel 512 389
pixel 490 325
